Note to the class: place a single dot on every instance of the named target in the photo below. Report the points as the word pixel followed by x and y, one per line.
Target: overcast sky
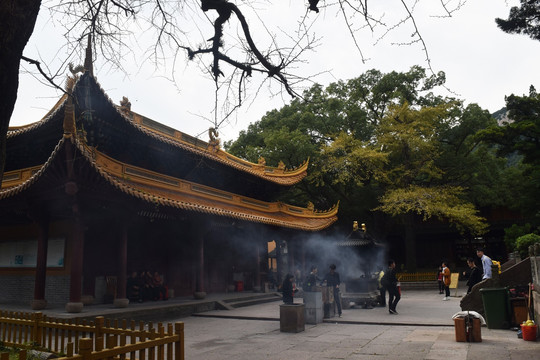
pixel 482 64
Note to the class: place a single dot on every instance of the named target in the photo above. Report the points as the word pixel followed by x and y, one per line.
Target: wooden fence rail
pixel 419 276
pixel 92 340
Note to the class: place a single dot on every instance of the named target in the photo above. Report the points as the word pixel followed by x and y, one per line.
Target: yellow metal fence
pixel 91 340
pixel 419 276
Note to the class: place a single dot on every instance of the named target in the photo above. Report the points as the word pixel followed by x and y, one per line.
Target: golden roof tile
pixel 177 193
pixel 169 191
pixel 279 175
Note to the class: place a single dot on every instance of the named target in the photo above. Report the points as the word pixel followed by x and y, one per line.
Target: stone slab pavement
pixel 423 330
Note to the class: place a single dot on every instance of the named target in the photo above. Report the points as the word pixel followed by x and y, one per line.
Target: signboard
pixel 23 253
pixel 454 278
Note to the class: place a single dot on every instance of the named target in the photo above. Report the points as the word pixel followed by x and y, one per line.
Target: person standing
pixel 161 292
pixel 389 281
pixel 446 280
pixel 312 279
pixel 382 290
pixel 475 276
pixel 287 289
pixel 133 288
pixel 486 264
pixel 333 281
pixel 439 280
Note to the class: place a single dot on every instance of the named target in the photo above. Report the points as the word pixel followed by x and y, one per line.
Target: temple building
pixel 94 191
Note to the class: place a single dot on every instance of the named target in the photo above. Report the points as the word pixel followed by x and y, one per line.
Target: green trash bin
pixel 496 307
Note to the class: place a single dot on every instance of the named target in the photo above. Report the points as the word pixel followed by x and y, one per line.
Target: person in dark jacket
pixel 312 279
pixel 287 289
pixel 333 281
pixel 133 288
pixel 439 280
pixel 389 281
pixel 475 275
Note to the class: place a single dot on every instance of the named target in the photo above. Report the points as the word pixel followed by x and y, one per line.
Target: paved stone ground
pixel 423 330
pixel 218 338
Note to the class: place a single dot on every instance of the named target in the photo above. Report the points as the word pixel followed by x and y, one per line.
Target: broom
pixel 530 315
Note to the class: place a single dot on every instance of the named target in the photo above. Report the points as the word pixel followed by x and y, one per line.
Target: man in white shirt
pixel 486 264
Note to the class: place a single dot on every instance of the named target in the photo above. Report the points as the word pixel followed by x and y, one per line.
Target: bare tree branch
pixel 111 22
pixel 43 73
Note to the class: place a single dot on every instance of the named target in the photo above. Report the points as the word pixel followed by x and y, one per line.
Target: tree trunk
pixel 17 21
pixel 410 243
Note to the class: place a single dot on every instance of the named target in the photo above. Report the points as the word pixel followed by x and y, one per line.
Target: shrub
pixel 513 232
pixel 523 243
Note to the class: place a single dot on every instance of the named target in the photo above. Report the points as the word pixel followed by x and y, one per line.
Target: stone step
pixel 253 300
pixel 253 296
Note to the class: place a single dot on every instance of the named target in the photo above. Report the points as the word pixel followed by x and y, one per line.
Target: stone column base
pixel 38 304
pixel 121 303
pixel 74 307
pixel 199 295
pixel 87 299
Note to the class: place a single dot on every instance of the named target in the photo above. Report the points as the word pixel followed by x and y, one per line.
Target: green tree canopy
pixel 524 19
pixel 388 149
pixel 354 107
pixel 518 139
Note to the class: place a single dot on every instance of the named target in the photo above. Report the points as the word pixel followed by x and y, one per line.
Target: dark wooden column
pixel 121 299
pixel 39 301
pixel 257 285
pixel 305 268
pixel 75 304
pixel 200 263
pixel 291 248
pixel 199 230
pixel 71 190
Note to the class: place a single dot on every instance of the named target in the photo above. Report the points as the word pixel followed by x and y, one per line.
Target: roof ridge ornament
pixel 125 105
pixel 214 143
pixel 71 80
pixel 88 63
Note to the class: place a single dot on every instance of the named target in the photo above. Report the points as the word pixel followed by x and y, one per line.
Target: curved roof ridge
pixel 152 188
pixel 35 174
pixel 279 175
pixel 17 130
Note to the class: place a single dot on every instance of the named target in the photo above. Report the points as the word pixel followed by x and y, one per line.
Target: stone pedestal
pixel 38 304
pixel 199 295
pixel 291 318
pixel 313 307
pixel 74 307
pixel 328 301
pixel 87 299
pixel 121 303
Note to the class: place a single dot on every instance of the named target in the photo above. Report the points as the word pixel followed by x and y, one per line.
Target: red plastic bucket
pixel 239 286
pixel 529 332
